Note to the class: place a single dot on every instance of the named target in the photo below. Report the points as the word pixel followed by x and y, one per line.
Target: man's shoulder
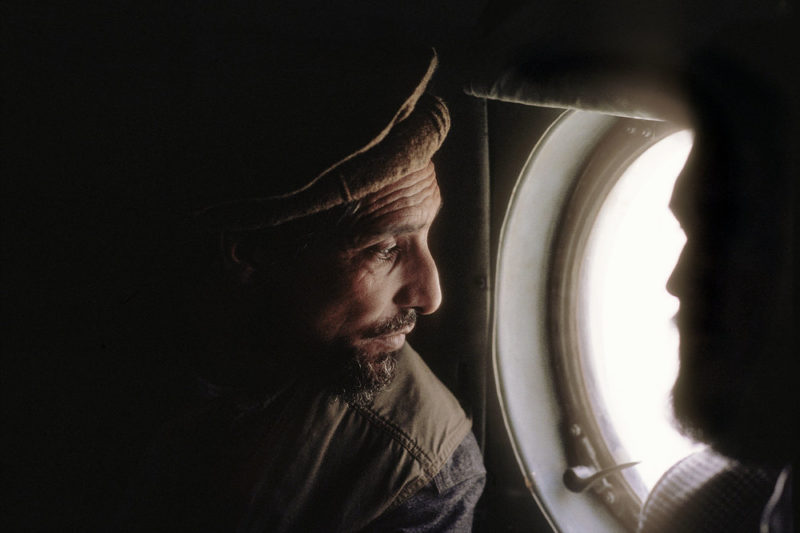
pixel 710 490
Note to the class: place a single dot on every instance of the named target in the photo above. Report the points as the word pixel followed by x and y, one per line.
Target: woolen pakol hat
pixel 300 132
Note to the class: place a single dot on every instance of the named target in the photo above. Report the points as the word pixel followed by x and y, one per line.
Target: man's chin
pixel 701 396
pixel 736 388
pixel 364 375
pixel 690 410
pixel 711 408
pixel 356 370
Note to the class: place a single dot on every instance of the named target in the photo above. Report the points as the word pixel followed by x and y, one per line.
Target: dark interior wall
pixel 92 113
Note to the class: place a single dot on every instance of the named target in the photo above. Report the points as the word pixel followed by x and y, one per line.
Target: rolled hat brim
pixel 404 145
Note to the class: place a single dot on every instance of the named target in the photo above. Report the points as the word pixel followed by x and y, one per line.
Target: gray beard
pixel 745 410
pixel 364 377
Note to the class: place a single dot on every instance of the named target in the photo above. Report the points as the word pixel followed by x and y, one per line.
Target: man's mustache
pixel 403 320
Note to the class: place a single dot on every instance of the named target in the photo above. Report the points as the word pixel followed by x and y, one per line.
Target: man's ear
pixel 239 255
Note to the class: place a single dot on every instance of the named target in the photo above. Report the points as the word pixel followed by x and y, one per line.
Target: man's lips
pixel 393 341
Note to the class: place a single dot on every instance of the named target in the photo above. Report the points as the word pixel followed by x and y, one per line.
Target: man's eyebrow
pixel 401 228
pixel 395 229
pixel 392 229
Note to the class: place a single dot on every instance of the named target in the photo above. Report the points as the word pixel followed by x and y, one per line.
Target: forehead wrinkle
pixel 376 226
pixel 402 199
pixel 402 188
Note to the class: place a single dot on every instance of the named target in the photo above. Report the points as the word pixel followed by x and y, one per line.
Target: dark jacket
pixel 300 460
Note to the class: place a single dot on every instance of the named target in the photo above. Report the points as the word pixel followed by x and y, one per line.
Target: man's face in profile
pixel 713 282
pixel 730 387
pixel 704 384
pixel 364 298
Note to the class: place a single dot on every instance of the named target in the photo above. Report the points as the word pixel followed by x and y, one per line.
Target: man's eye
pixel 385 253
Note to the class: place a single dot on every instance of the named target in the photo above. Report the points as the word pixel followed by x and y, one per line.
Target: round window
pixel 585 346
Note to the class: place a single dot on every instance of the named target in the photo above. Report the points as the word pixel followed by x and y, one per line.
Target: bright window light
pixel 627 312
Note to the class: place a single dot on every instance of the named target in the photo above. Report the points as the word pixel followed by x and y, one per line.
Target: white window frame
pixel 548 406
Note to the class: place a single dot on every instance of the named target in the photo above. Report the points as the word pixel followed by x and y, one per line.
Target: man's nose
pixel 420 289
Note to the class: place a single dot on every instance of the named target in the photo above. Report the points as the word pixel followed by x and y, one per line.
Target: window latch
pixel 579 478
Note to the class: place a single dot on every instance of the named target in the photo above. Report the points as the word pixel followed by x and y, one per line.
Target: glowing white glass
pixel 633 341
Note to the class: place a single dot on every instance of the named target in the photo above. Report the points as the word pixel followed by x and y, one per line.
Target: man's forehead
pixel 406 205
